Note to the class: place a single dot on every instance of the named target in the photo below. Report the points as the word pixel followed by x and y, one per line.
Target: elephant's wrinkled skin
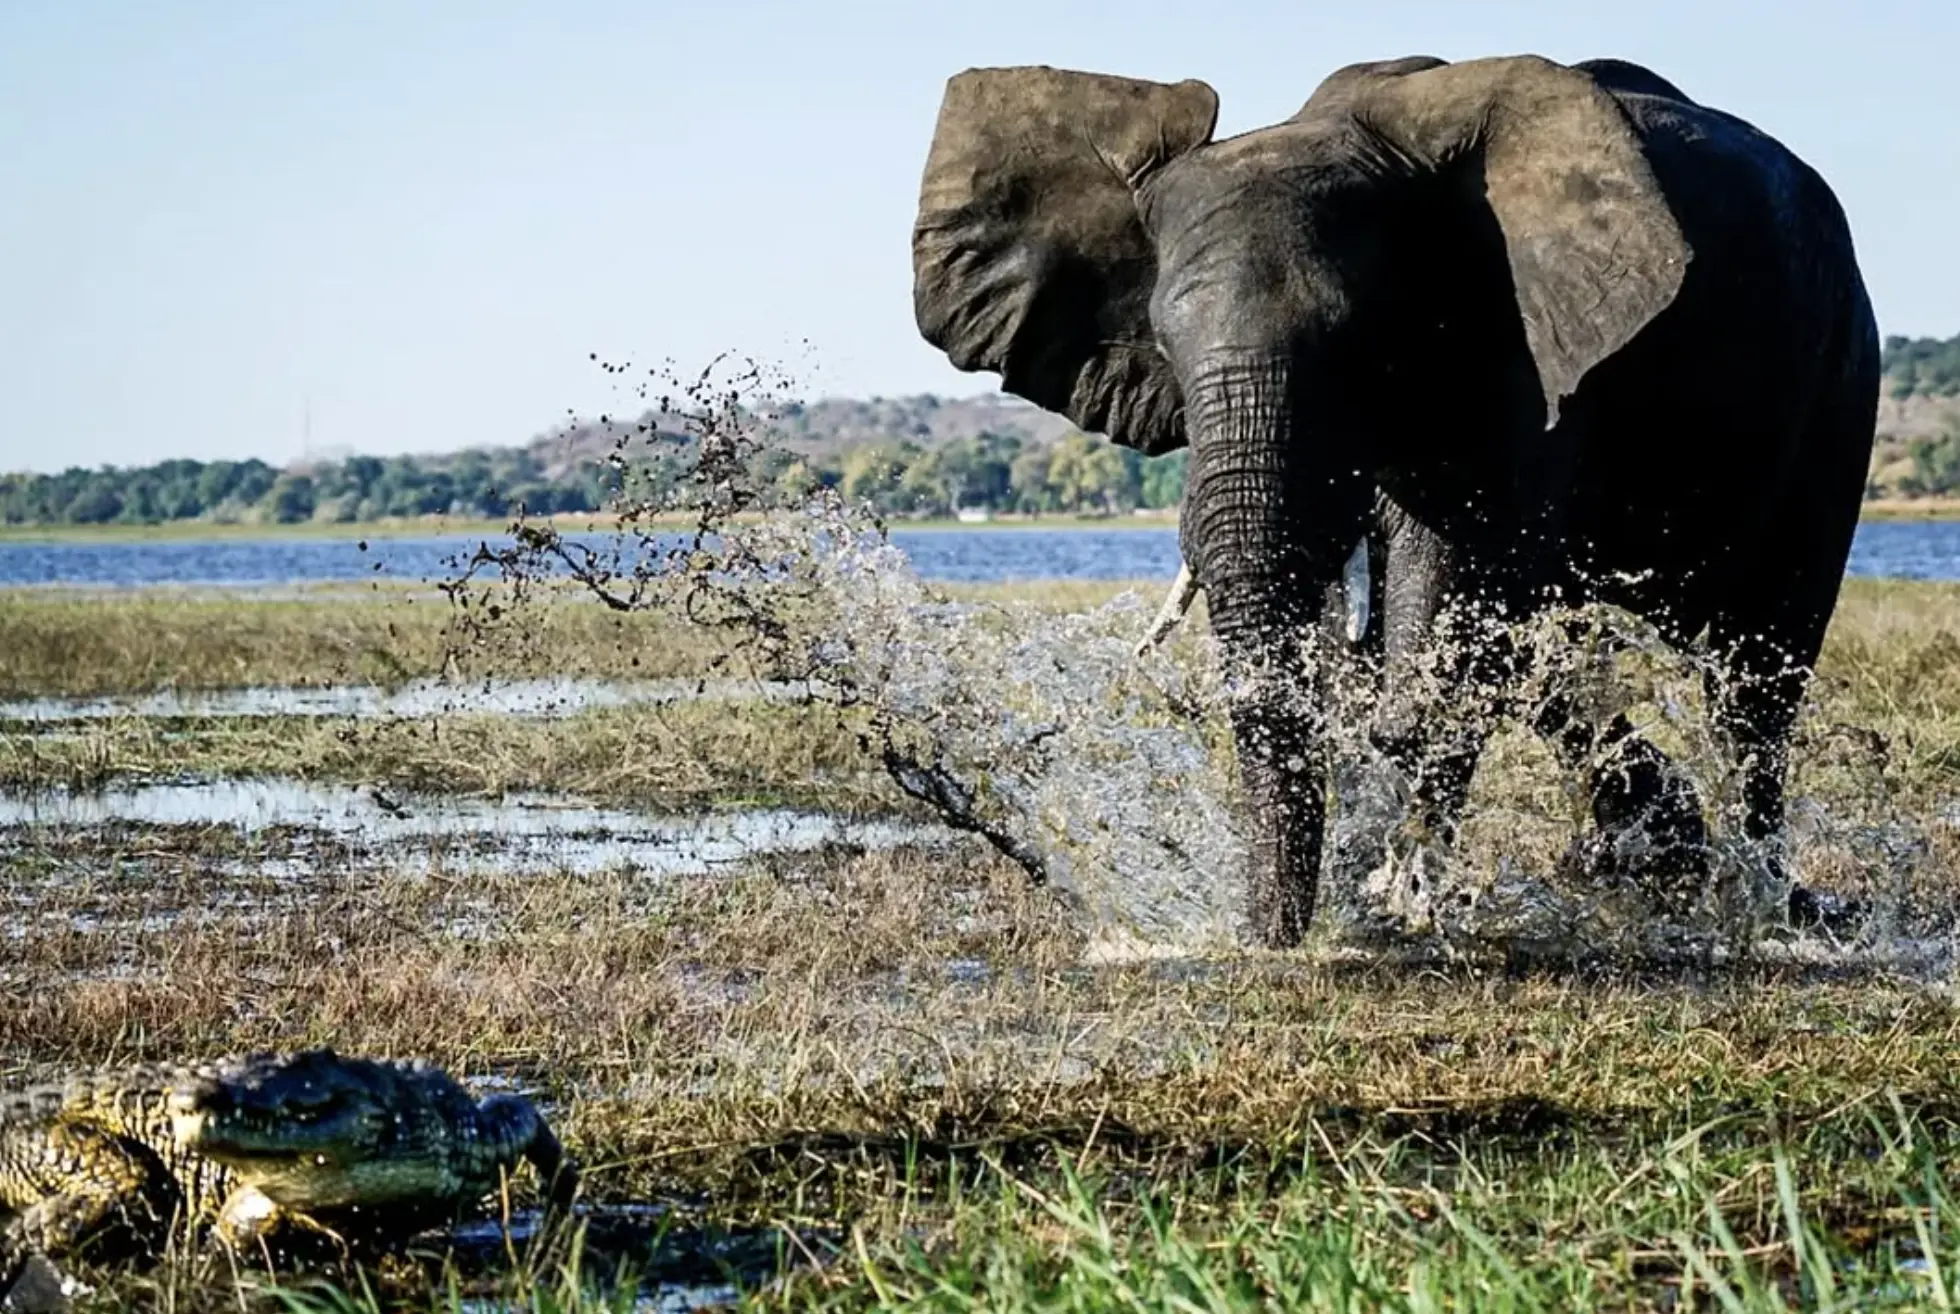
pixel 1580 335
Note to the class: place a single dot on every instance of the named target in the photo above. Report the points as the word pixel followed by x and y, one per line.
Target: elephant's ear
pixel 1028 256
pixel 1336 92
pixel 1595 251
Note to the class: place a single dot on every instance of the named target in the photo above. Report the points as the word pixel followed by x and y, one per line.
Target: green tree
pixel 924 489
pixel 1935 465
pixel 1029 480
pixel 979 471
pixel 875 472
pixel 1091 476
pixel 292 499
pixel 96 502
pixel 1924 366
pixel 1162 481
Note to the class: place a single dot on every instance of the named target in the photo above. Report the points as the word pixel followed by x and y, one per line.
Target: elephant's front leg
pixel 1442 657
pixel 1283 778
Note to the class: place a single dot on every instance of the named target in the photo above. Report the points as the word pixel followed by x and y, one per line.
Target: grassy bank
pixel 1918 508
pixel 1881 509
pixel 128 643
pixel 434 526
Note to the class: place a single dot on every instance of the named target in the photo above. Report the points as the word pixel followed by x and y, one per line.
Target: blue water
pixel 1895 549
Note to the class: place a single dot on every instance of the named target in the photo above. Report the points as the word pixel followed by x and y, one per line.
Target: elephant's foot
pixel 1668 877
pixel 1818 910
pixel 1372 804
pixel 1648 832
pixel 1807 909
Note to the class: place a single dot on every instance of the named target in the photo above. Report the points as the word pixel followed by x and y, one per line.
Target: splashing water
pixel 1042 728
pixel 1110 777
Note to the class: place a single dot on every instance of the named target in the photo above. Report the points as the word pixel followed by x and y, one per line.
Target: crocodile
pixel 255 1148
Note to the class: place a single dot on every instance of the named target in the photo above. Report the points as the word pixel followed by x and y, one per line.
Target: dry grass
pixel 651 755
pixel 68 645
pixel 890 1042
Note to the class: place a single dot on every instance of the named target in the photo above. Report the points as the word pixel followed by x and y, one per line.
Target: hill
pixel 1918 449
pixel 915 455
pixel 824 430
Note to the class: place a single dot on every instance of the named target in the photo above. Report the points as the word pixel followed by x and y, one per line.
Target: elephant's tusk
pixel 1354 583
pixel 1184 590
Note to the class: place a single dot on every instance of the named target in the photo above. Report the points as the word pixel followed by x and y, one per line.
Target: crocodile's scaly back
pixel 92 1158
pixel 254 1142
pixel 128 1106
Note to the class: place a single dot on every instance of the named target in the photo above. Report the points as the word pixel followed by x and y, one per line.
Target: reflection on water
pixel 529 831
pixel 419 698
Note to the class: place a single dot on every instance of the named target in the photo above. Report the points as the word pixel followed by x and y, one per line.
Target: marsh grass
pixel 86 645
pixel 894 1064
pixel 1882 730
pixel 660 756
pixel 888 1079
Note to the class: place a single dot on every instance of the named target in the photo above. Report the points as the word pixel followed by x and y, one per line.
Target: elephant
pixel 1537 332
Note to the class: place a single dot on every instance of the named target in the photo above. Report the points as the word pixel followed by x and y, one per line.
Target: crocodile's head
pixel 308 1126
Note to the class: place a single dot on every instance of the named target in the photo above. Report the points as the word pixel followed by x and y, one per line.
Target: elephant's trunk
pixel 1266 532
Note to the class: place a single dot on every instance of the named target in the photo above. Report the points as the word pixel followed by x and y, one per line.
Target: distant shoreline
pixel 192 531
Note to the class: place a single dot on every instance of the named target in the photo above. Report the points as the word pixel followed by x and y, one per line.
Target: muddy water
pixel 518 833
pixel 1107 772
pixel 679 1267
pixel 420 698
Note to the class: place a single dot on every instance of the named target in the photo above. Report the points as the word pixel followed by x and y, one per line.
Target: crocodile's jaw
pixel 315 1131
pixel 320 1183
pixel 237 1139
pixel 356 1156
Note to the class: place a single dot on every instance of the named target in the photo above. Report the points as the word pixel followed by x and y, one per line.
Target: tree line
pixel 997 472
pixel 360 488
pixel 1075 474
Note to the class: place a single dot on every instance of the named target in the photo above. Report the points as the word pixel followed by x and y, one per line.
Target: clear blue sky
pixel 423 214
